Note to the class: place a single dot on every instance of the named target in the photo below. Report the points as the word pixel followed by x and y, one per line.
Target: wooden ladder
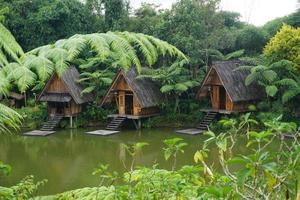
pixel 115 123
pixel 51 123
pixel 208 119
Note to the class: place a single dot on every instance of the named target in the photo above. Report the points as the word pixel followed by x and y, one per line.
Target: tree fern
pixel 116 49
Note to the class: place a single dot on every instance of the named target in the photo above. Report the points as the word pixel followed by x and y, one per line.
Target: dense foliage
pixel 285 45
pixel 262 172
pixel 10 51
pixel 199 30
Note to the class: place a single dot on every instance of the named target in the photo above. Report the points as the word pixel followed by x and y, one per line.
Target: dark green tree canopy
pixel 39 22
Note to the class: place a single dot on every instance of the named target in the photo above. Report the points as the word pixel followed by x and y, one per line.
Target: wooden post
pixel 139 124
pixel 71 122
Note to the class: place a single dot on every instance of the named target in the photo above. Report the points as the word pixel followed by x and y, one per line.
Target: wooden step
pixel 115 123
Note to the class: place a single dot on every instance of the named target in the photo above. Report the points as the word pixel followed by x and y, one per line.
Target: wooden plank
pixel 215 97
pixel 191 131
pixel 102 132
pixel 38 133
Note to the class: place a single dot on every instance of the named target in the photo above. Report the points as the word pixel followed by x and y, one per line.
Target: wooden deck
pixel 132 116
pixel 38 133
pixel 226 112
pixel 191 131
pixel 102 132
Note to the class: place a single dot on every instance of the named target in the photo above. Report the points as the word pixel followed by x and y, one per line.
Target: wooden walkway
pixel 190 131
pixel 38 133
pixel 102 132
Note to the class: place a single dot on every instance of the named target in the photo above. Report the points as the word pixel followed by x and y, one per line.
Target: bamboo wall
pixel 56 86
pixel 123 89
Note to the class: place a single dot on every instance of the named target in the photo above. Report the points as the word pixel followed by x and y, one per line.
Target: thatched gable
pixel 146 90
pixel 72 89
pixel 233 81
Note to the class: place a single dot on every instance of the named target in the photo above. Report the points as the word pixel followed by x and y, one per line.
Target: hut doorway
pixel 129 103
pixel 222 98
pixel 60 108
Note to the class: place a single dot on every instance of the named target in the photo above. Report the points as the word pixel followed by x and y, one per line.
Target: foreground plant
pixel 267 170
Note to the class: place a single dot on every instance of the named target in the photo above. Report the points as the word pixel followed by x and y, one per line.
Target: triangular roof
pixel 70 78
pixel 146 90
pixel 234 81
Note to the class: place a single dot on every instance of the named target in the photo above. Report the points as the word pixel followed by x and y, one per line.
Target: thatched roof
pixel 13 95
pixel 16 96
pixel 234 81
pixel 147 91
pixel 56 97
pixel 70 78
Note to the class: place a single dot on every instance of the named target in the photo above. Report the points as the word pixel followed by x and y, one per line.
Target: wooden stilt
pixel 139 124
pixel 71 122
pixel 135 124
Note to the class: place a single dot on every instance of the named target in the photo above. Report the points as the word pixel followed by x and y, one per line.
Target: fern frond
pixel 235 54
pixel 290 83
pixel 43 66
pixel 59 57
pixel 271 90
pixel 23 77
pixel 4 83
pixel 9 44
pixel 251 78
pixel 269 75
pixel 98 43
pixel 289 94
pixel 9 119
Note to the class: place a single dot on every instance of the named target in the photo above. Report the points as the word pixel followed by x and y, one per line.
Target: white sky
pixel 256 12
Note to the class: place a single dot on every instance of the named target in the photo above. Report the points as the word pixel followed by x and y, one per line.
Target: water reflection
pixel 68 158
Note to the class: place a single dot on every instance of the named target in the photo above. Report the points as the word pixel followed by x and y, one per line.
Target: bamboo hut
pixel 225 85
pixel 135 98
pixel 63 95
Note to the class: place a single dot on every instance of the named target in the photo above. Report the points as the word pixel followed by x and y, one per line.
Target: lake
pixel 68 157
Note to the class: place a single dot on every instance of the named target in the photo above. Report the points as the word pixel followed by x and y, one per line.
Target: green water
pixel 67 158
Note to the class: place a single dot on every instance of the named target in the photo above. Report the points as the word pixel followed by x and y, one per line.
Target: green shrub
pixel 33 116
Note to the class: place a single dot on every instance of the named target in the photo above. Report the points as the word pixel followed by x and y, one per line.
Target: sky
pixel 256 12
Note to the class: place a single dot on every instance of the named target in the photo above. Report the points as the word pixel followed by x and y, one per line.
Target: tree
pixel 100 50
pixel 115 11
pixel 194 27
pixel 231 19
pixel 278 78
pixel 147 19
pixel 252 39
pixel 39 22
pixel 174 80
pixel 285 45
